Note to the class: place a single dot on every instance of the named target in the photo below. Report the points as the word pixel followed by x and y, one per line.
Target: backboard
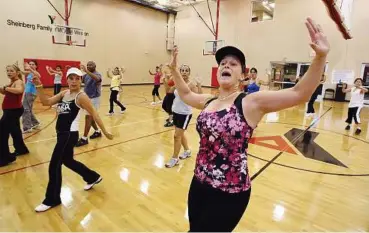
pixel 212 46
pixel 66 35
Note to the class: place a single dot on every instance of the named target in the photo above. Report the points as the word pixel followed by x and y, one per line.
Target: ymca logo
pixel 63 108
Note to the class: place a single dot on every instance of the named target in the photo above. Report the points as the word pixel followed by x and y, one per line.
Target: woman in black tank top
pixel 69 103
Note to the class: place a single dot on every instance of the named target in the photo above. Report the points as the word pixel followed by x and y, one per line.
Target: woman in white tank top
pixel 182 114
pixel 356 103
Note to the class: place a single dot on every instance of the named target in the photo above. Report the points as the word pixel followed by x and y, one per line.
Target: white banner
pixel 344 76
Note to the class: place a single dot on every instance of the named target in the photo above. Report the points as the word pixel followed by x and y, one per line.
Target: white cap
pixel 74 70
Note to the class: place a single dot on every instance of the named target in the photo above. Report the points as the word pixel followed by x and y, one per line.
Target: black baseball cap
pixel 230 50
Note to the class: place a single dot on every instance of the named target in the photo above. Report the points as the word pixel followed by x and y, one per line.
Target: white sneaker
pixel 90 186
pixel 36 126
pixel 172 162
pixel 159 102
pixel 186 154
pixel 153 103
pixel 110 114
pixel 42 208
pixel 27 131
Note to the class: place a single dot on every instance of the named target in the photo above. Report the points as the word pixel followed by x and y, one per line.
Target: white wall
pixel 120 33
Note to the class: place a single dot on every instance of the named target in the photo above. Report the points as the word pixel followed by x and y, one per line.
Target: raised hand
pixel 83 68
pixel 319 42
pixel 36 80
pixel 174 61
pixel 26 66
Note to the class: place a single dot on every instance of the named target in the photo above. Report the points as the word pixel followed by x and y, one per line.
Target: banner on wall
pixel 47 79
pixel 343 76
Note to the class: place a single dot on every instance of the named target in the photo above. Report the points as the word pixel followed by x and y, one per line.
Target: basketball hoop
pixel 212 46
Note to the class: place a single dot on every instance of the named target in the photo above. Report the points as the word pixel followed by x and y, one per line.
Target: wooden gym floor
pixel 308 174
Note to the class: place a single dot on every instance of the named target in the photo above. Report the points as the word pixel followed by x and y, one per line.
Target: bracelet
pixel 39 86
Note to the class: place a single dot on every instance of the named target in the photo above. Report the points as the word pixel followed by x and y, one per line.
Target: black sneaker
pixel 7 160
pixel 95 135
pixel 347 127
pixel 358 131
pixel 19 153
pixel 82 142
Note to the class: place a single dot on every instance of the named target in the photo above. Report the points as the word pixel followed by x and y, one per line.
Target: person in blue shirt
pixel 253 85
pixel 29 120
pixel 93 84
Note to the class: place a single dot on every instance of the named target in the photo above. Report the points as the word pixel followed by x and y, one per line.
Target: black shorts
pixel 168 102
pixel 181 121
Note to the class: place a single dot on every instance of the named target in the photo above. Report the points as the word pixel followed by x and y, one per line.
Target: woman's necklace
pixel 223 98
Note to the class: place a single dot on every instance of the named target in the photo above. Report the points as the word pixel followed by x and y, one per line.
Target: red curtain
pixel 48 80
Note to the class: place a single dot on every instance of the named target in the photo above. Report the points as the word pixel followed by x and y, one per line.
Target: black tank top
pixel 68 115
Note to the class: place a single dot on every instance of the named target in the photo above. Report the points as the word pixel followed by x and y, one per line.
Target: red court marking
pixel 282 145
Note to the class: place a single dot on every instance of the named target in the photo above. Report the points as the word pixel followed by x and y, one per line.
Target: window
pixel 262 10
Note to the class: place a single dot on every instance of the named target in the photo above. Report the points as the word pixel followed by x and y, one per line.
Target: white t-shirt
pixel 357 98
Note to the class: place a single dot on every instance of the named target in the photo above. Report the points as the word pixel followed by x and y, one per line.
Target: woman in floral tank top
pixel 220 189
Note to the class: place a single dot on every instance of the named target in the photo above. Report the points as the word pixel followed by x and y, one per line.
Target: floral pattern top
pixel 222 158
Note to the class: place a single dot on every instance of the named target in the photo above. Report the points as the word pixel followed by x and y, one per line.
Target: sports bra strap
pixel 238 102
pixel 209 101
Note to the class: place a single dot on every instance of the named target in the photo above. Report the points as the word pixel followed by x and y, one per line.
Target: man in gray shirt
pixel 92 80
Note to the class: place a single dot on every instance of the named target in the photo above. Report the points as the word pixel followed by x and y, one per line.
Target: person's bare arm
pixel 92 75
pixel 262 102
pixel 363 90
pixel 346 88
pixel 45 99
pixel 189 97
pixel 85 103
pixel 18 88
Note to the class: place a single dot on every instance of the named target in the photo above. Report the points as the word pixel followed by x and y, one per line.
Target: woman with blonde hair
pixel 12 112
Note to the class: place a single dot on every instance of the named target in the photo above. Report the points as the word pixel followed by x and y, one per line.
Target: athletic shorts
pixel 181 121
pixel 95 103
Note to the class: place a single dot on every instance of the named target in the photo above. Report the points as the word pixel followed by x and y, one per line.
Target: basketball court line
pixel 294 140
pixel 94 149
pixel 307 170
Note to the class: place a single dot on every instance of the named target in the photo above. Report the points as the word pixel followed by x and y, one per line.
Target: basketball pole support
pixel 66 13
pixel 217 21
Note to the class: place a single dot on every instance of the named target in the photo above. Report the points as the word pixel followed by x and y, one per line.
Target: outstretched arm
pixel 46 100
pixel 260 103
pixel 195 100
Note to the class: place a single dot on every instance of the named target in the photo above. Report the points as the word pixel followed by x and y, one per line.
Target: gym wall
pixel 284 37
pixel 120 34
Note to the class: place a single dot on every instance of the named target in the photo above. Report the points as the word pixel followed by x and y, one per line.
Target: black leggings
pixel 63 154
pixel 57 88
pixel 155 91
pixel 310 108
pixel 353 113
pixel 212 210
pixel 114 99
pixel 10 125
